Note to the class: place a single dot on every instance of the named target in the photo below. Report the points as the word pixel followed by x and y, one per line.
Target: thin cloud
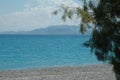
pixel 36 14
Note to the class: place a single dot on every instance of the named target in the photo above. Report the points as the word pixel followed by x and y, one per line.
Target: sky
pixel 26 15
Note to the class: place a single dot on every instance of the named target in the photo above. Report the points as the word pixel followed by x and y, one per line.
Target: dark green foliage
pixel 82 28
pixel 105 37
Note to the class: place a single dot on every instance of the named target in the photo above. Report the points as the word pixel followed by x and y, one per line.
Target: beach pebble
pixel 91 72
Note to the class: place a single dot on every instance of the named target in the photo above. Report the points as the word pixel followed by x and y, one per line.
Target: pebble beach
pixel 89 72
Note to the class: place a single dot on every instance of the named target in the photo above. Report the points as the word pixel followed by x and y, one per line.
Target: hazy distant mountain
pixel 51 30
pixel 57 30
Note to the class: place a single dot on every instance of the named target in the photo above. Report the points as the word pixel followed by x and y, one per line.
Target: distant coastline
pixel 50 30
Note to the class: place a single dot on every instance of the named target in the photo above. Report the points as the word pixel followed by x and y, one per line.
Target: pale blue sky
pixel 7 6
pixel 18 15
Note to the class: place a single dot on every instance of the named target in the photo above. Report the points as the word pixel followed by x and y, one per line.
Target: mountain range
pixel 50 30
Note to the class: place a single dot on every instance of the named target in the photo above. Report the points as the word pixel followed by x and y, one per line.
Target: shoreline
pixel 82 65
pixel 86 72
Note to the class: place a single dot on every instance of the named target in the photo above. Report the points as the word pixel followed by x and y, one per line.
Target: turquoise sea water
pixel 37 51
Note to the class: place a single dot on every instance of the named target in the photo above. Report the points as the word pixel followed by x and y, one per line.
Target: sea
pixel 43 51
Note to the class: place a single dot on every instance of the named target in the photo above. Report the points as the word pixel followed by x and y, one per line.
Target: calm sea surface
pixel 36 51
